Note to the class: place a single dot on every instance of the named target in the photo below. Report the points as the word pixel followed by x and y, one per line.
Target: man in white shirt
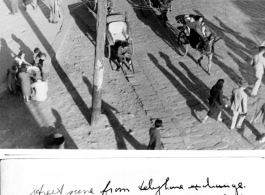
pixel 40 89
pixel 239 105
pixel 258 63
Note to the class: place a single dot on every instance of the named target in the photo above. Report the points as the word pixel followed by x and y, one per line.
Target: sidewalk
pixel 24 31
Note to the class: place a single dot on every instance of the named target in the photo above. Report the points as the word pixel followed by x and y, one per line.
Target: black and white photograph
pixel 83 81
pixel 132 74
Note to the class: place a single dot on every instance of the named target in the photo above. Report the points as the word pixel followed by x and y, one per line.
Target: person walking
pixel 216 102
pixel 259 106
pixel 258 63
pixel 239 105
pixel 155 142
pixel 14 7
pixel 55 10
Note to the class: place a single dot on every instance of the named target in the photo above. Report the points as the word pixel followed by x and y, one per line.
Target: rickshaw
pixel 193 39
pixel 119 31
pixel 163 6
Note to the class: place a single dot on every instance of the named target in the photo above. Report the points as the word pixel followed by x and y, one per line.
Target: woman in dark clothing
pixel 25 83
pixel 216 101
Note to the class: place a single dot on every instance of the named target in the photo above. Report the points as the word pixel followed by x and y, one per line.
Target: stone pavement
pixel 24 31
pixel 165 85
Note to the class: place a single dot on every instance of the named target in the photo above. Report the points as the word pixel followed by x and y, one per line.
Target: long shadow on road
pixel 238 49
pixel 168 35
pixel 120 132
pixel 191 100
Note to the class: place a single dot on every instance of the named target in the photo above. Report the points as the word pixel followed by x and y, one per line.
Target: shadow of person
pixel 6 54
pixel 50 142
pixel 23 47
pixel 8 4
pixel 121 134
pixel 82 18
pixel 238 49
pixel 168 35
pixel 192 101
pixel 44 9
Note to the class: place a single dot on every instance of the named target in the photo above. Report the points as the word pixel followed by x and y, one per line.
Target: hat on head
pixel 243 83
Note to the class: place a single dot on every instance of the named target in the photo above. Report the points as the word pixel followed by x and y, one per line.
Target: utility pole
pixel 99 61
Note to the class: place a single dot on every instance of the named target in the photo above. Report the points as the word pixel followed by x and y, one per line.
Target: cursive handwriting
pixel 40 191
pixel 159 187
pixel 80 192
pixel 208 185
pixel 107 189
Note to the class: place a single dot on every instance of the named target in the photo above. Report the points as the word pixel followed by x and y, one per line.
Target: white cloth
pixel 41 89
pixel 239 103
pixel 258 63
pixel 20 61
pixel 118 30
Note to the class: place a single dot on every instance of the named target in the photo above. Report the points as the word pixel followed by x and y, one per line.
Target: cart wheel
pixel 145 10
pixel 182 46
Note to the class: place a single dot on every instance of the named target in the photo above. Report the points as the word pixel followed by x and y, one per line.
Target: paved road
pixel 175 89
pixel 165 85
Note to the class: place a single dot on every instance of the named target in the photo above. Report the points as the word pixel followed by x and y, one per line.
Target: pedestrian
pixel 239 105
pixel 26 3
pixel 40 89
pixel 14 7
pixel 216 102
pixel 34 4
pixel 24 83
pixel 259 106
pixel 258 63
pixel 44 66
pixel 155 142
pixel 55 10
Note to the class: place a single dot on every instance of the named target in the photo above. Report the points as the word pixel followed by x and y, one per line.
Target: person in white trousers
pixel 239 105
pixel 258 63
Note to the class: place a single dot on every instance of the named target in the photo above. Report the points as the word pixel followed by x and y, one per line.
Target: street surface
pixel 165 85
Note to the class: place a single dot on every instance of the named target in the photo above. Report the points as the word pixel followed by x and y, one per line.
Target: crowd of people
pixel 55 7
pixel 29 79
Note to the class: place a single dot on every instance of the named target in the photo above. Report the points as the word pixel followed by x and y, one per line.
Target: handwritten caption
pixel 144 186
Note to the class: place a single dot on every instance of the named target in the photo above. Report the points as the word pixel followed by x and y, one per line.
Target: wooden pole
pixel 99 61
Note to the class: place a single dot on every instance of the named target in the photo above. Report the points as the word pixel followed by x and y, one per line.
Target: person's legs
pixel 219 118
pixel 234 119
pixel 240 121
pixel 256 86
pixel 205 119
pixel 51 14
pixel 34 4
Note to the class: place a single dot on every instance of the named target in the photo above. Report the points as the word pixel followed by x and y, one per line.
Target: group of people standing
pixel 55 7
pixel 29 79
